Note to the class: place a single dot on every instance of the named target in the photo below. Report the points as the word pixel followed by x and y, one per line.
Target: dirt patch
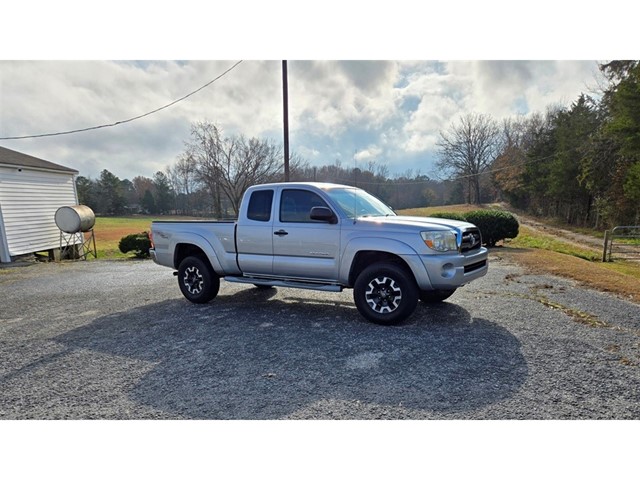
pixel 114 234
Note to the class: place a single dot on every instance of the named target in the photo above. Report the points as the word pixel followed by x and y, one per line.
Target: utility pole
pixel 285 106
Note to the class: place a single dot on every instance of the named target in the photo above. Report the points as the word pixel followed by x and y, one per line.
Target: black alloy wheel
pixel 197 281
pixel 385 293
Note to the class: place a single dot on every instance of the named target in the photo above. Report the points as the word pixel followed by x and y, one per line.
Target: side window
pixel 296 205
pixel 260 205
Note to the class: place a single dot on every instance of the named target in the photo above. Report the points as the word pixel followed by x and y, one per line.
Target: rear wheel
pixel 435 296
pixel 385 293
pixel 197 280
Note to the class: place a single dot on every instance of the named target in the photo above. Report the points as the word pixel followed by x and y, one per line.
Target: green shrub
pixel 494 225
pixel 138 243
pixel 449 215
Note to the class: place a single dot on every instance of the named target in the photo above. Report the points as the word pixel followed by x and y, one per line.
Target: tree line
pixel 580 163
pixel 211 175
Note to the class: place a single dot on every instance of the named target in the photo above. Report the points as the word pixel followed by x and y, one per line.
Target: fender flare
pixel 384 245
pixel 200 242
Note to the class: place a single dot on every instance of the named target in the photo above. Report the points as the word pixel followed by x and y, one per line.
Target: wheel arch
pixel 202 249
pixel 361 252
pixel 364 258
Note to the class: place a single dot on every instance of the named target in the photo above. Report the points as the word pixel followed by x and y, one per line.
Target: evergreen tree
pixel 572 131
pixel 86 189
pixel 111 200
pixel 164 193
pixel 148 202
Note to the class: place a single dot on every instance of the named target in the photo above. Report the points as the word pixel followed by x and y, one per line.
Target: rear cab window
pixel 260 205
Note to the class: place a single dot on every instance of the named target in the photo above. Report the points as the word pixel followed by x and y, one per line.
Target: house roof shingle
pixel 11 157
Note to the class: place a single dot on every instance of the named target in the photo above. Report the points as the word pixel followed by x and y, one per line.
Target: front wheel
pixel 385 293
pixel 197 281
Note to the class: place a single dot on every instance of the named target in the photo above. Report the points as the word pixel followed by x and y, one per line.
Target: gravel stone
pixel 116 340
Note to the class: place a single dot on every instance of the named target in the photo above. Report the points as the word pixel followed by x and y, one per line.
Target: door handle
pixel 281 233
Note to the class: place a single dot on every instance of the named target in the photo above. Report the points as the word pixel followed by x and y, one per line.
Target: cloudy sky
pixel 389 112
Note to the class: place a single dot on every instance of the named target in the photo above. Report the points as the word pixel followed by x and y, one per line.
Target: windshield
pixel 365 205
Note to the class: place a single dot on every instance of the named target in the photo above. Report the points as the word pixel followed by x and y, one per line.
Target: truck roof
pixel 320 185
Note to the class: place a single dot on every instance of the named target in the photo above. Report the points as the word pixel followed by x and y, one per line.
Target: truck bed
pixel 214 237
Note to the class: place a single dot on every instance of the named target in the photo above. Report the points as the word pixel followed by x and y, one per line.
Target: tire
pixel 197 280
pixel 385 293
pixel 435 296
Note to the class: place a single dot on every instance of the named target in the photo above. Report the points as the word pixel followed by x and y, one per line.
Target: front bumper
pixel 447 272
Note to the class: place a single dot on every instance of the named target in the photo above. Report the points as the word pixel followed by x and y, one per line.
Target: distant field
pixel 109 231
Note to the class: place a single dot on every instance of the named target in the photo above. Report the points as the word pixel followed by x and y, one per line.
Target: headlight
pixel 440 241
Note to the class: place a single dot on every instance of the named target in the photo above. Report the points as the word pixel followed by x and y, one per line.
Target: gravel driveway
pixel 116 340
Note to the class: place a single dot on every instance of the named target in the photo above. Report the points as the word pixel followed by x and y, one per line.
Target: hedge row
pixel 494 225
pixel 450 216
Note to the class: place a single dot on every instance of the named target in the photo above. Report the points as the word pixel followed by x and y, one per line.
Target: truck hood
pixel 418 223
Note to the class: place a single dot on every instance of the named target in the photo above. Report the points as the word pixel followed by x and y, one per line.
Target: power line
pixel 128 119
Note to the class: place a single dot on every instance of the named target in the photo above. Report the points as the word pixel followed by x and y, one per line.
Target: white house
pixel 31 190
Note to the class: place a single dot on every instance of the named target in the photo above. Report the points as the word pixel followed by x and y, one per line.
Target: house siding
pixel 28 203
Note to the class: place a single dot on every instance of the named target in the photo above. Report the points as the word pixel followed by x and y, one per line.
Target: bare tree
pixel 170 172
pixel 204 150
pixel 468 149
pixel 254 161
pixel 183 177
pixel 297 169
pixel 141 184
pixel 230 165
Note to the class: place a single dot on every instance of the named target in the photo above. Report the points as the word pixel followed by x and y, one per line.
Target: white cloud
pixel 308 153
pixel 385 110
pixel 368 154
pixel 499 88
pixel 329 97
pixel 504 88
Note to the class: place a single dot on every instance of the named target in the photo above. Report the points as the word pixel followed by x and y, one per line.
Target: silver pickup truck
pixel 325 237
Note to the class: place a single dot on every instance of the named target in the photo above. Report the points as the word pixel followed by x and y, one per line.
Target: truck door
pixel 254 235
pixel 304 248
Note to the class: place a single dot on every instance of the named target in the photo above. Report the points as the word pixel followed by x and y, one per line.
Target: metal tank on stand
pixel 75 222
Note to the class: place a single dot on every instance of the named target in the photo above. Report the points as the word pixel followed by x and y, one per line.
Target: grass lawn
pixel 529 238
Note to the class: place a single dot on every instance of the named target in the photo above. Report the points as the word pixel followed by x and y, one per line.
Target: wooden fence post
pixel 606 242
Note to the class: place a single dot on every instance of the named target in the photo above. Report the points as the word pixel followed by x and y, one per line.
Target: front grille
pixel 474 266
pixel 471 240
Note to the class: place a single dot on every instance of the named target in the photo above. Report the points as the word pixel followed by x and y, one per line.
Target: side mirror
pixel 323 214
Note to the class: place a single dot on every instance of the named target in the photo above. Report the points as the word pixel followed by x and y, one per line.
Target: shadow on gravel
pixel 252 356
